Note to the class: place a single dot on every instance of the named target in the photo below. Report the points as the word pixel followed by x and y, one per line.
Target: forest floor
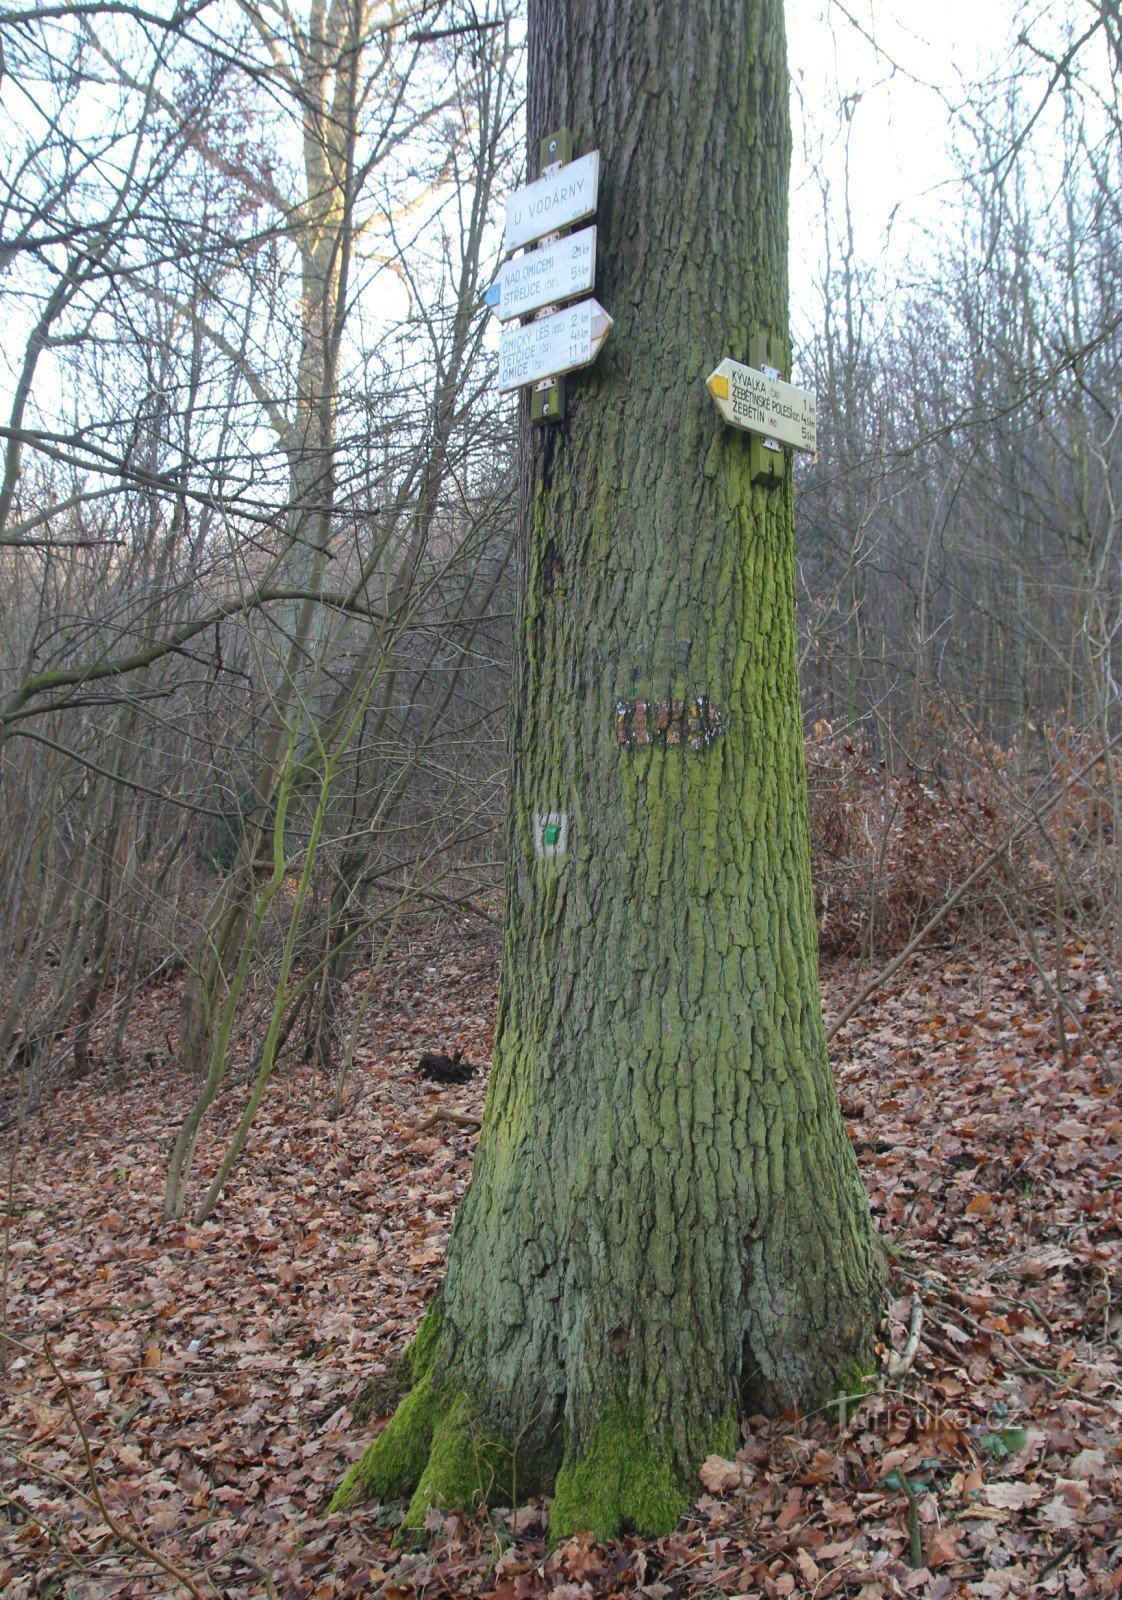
pixel 220 1374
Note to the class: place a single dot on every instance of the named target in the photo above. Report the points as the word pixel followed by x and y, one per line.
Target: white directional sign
pixel 566 196
pixel 761 404
pixel 545 349
pixel 555 272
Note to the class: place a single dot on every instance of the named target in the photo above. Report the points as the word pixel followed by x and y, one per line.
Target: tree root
pixel 622 1481
pixel 436 1450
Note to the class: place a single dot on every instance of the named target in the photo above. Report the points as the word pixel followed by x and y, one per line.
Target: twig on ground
pixel 240 1559
pixel 900 1362
pixel 459 1119
pixel 915 1540
pixel 1058 1559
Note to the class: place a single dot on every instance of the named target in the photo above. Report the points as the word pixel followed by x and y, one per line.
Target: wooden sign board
pixel 548 275
pixel 566 196
pixel 761 404
pixel 569 339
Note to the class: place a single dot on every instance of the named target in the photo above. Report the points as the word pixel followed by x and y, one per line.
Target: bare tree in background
pixel 256 521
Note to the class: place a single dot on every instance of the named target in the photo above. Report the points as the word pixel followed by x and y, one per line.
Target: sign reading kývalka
pixel 760 403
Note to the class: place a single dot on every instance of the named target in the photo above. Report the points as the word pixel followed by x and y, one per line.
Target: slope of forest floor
pixel 221 1375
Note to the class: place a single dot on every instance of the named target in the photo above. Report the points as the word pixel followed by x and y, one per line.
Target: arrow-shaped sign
pixel 762 404
pixel 545 349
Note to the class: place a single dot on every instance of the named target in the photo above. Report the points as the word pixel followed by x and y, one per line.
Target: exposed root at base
pixel 436 1450
pixel 623 1481
pixel 464 1466
pixel 392 1465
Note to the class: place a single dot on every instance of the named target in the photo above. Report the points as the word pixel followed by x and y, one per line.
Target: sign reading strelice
pixel 762 404
pixel 553 345
pixel 568 195
pixel 542 277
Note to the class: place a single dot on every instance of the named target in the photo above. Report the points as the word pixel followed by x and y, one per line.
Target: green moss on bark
pixel 392 1464
pixel 433 1447
pixel 425 1343
pixel 624 1481
pixel 854 1384
pixel 464 1466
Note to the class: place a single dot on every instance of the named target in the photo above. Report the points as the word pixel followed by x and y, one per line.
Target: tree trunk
pixel 666 1230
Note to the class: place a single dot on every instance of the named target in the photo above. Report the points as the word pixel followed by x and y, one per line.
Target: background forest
pixel 258 504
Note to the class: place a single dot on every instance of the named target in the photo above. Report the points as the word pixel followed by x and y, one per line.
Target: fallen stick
pixel 459 1119
pixel 899 1364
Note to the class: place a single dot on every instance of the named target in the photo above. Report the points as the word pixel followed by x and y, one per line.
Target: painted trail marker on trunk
pixel 551 833
pixel 569 339
pixel 566 195
pixel 761 404
pixel 552 273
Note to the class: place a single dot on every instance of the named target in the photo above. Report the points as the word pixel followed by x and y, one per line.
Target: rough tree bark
pixel 666 1230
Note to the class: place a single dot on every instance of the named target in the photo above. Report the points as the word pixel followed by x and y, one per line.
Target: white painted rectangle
pixel 551 833
pixel 552 273
pixel 566 196
pixel 553 345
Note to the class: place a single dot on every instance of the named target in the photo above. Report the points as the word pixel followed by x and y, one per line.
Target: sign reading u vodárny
pixel 566 196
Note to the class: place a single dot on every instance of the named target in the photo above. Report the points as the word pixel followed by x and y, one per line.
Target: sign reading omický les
pixel 553 345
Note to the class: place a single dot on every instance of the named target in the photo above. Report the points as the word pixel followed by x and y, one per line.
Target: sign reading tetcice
pixel 553 345
pixel 760 403
pixel 566 196
pixel 556 272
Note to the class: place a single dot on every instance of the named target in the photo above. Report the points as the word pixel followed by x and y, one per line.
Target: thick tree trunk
pixel 666 1230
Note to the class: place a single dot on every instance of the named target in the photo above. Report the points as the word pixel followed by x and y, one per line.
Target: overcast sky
pixel 883 76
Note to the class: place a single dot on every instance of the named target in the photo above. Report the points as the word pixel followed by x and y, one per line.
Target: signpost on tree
pixel 666 1231
pixel 543 277
pixel 556 342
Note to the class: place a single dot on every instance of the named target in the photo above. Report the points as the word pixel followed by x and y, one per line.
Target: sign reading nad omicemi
pixel 552 273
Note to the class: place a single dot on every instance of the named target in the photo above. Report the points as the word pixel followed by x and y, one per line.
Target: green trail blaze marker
pixel 551 833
